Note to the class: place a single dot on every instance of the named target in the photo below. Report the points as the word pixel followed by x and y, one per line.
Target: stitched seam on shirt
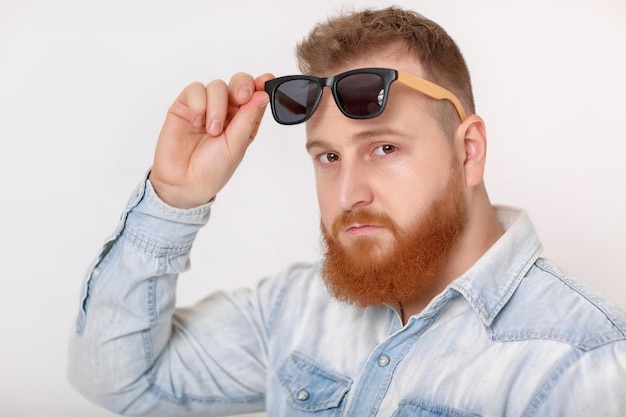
pixel 439 409
pixel 147 349
pixel 146 335
pixel 409 343
pixel 93 276
pixel 520 273
pixel 278 306
pixel 570 285
pixel 150 301
pixel 280 301
pixel 159 393
pixel 487 316
pixel 583 345
pixel 152 246
pixel 194 214
pixel 304 363
pixel 544 391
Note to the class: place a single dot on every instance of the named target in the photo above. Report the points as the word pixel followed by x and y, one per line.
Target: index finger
pixel 240 88
pixel 259 82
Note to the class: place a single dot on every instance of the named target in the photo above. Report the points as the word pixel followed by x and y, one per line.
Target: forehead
pixel 328 121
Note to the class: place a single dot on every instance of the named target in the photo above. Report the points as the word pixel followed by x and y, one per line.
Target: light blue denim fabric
pixel 513 336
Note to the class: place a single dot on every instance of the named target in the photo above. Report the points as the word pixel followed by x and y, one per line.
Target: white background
pixel 84 87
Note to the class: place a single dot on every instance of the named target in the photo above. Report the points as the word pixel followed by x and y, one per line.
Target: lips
pixel 360 230
pixel 362 223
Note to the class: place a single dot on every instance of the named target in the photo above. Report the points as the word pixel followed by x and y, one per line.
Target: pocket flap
pixel 309 386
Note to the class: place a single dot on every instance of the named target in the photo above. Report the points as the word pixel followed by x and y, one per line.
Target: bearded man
pixel 428 300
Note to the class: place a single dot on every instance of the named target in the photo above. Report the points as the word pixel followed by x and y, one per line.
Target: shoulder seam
pixel 596 303
pixel 543 392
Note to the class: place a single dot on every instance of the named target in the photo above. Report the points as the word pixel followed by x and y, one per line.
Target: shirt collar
pixel 491 281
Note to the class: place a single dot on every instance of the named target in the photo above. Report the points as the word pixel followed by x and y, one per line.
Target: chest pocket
pixel 312 390
pixel 420 408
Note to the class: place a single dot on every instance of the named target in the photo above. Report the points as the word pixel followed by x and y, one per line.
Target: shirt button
pixel 302 395
pixel 383 360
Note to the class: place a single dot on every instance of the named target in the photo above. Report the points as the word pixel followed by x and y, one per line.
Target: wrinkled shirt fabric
pixel 512 336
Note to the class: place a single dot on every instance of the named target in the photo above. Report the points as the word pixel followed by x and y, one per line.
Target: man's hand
pixel 205 135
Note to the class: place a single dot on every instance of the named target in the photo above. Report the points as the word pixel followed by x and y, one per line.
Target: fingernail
pixel 245 93
pixel 215 128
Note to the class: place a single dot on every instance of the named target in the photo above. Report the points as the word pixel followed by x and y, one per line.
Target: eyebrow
pixel 360 136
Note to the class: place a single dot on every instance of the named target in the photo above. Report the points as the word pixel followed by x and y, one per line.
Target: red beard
pixel 367 274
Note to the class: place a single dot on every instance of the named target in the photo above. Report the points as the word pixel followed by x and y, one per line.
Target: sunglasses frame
pixel 388 76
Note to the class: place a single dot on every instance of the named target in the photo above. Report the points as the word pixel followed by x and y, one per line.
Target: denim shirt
pixel 513 336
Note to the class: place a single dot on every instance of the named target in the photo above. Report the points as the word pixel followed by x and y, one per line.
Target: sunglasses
pixel 359 94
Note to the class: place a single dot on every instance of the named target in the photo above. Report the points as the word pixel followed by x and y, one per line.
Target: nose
pixel 354 189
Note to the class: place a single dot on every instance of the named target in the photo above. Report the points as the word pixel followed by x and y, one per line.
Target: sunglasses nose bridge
pixel 331 83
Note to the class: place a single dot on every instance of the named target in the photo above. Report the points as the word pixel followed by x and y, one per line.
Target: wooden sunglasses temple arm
pixel 432 90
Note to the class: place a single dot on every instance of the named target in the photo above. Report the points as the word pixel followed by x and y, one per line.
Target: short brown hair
pixel 349 36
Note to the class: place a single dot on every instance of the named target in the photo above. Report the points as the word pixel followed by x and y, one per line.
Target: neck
pixel 481 232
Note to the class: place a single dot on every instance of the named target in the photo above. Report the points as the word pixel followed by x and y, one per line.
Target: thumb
pixel 244 125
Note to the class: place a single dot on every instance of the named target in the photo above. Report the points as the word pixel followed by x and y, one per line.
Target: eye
pixel 384 149
pixel 327 158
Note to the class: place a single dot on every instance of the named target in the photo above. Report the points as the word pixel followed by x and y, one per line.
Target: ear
pixel 473 149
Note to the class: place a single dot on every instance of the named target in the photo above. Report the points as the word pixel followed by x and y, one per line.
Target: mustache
pixel 363 217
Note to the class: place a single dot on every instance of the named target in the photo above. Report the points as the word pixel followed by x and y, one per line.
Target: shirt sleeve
pixel 589 383
pixel 134 353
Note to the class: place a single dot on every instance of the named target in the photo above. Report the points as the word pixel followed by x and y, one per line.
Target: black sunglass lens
pixel 294 100
pixel 361 95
